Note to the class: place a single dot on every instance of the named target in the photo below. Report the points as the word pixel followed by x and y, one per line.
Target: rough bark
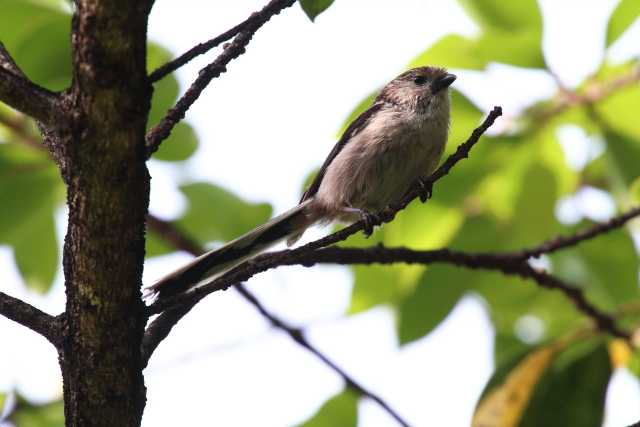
pixel 108 190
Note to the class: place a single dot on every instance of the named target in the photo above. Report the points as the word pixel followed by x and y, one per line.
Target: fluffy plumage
pixel 399 139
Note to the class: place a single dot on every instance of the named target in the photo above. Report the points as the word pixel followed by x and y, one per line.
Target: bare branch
pixel 249 268
pixel 298 336
pixel 594 92
pixel 257 18
pixel 161 327
pixel 30 317
pixel 23 95
pixel 562 242
pixel 162 130
pixel 50 134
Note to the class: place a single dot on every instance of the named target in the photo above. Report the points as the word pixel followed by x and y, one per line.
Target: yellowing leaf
pixel 504 406
pixel 619 352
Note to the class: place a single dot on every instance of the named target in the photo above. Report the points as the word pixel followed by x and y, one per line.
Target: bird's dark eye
pixel 420 80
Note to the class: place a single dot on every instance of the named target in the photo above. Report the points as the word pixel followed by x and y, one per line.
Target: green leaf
pixel 47 415
pixel 31 189
pixel 511 16
pixel 419 227
pixel 38 38
pixel 165 91
pixel 548 385
pixel 465 117
pixel 452 51
pixel 183 141
pixel 572 392
pixel 634 191
pixel 435 295
pixel 623 16
pixel 180 145
pixel 341 410
pixel 216 214
pixel 314 8
pixel 511 32
pixel 607 267
pixel 520 48
pixel 617 112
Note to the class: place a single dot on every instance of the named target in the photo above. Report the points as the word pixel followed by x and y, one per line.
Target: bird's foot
pixel 369 220
pixel 426 189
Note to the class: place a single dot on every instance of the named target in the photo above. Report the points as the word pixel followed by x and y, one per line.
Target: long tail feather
pixel 214 263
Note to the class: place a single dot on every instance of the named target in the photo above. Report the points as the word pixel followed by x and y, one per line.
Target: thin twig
pixel 27 315
pixel 159 329
pixel 561 242
pixel 593 93
pixel 257 18
pixel 298 336
pixel 234 49
pixel 249 268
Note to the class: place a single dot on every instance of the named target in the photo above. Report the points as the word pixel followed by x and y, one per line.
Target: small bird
pixel 397 141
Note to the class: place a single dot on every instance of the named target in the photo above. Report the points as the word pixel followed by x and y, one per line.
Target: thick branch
pixel 30 317
pixel 162 130
pixel 27 97
pixel 160 328
pixel 257 18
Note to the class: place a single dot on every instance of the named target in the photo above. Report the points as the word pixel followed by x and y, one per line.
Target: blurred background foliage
pixel 508 196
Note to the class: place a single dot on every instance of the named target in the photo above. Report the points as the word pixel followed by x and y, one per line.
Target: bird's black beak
pixel 442 83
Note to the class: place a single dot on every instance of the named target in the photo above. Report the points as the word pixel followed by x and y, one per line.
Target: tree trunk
pixel 107 181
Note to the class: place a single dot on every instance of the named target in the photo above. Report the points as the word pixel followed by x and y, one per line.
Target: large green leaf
pixel 511 16
pixel 452 51
pixel 313 8
pixel 217 214
pixel 419 227
pixel 38 38
pixel 623 16
pixel 607 267
pixel 618 111
pixel 341 410
pixel 30 189
pixel 548 385
pixel 180 145
pixel 511 33
pixel 183 141
pixel 572 392
pixel 520 48
pixel 435 295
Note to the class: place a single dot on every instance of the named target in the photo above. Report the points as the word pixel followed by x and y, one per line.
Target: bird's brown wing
pixel 354 128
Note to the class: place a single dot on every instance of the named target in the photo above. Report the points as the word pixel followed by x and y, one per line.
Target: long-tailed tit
pixel 398 140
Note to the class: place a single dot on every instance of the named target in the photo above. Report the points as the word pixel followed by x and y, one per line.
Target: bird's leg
pixel 426 189
pixel 370 220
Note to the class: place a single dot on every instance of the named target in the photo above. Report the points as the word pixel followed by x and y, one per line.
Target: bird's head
pixel 424 89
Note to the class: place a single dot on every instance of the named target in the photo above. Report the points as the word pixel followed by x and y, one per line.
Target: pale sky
pixel 263 126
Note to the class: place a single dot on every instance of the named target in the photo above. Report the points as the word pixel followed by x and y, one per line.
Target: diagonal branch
pixel 49 132
pixel 272 260
pixel 562 242
pixel 162 130
pixel 23 95
pixel 298 336
pixel 160 328
pixel 257 18
pixel 30 317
